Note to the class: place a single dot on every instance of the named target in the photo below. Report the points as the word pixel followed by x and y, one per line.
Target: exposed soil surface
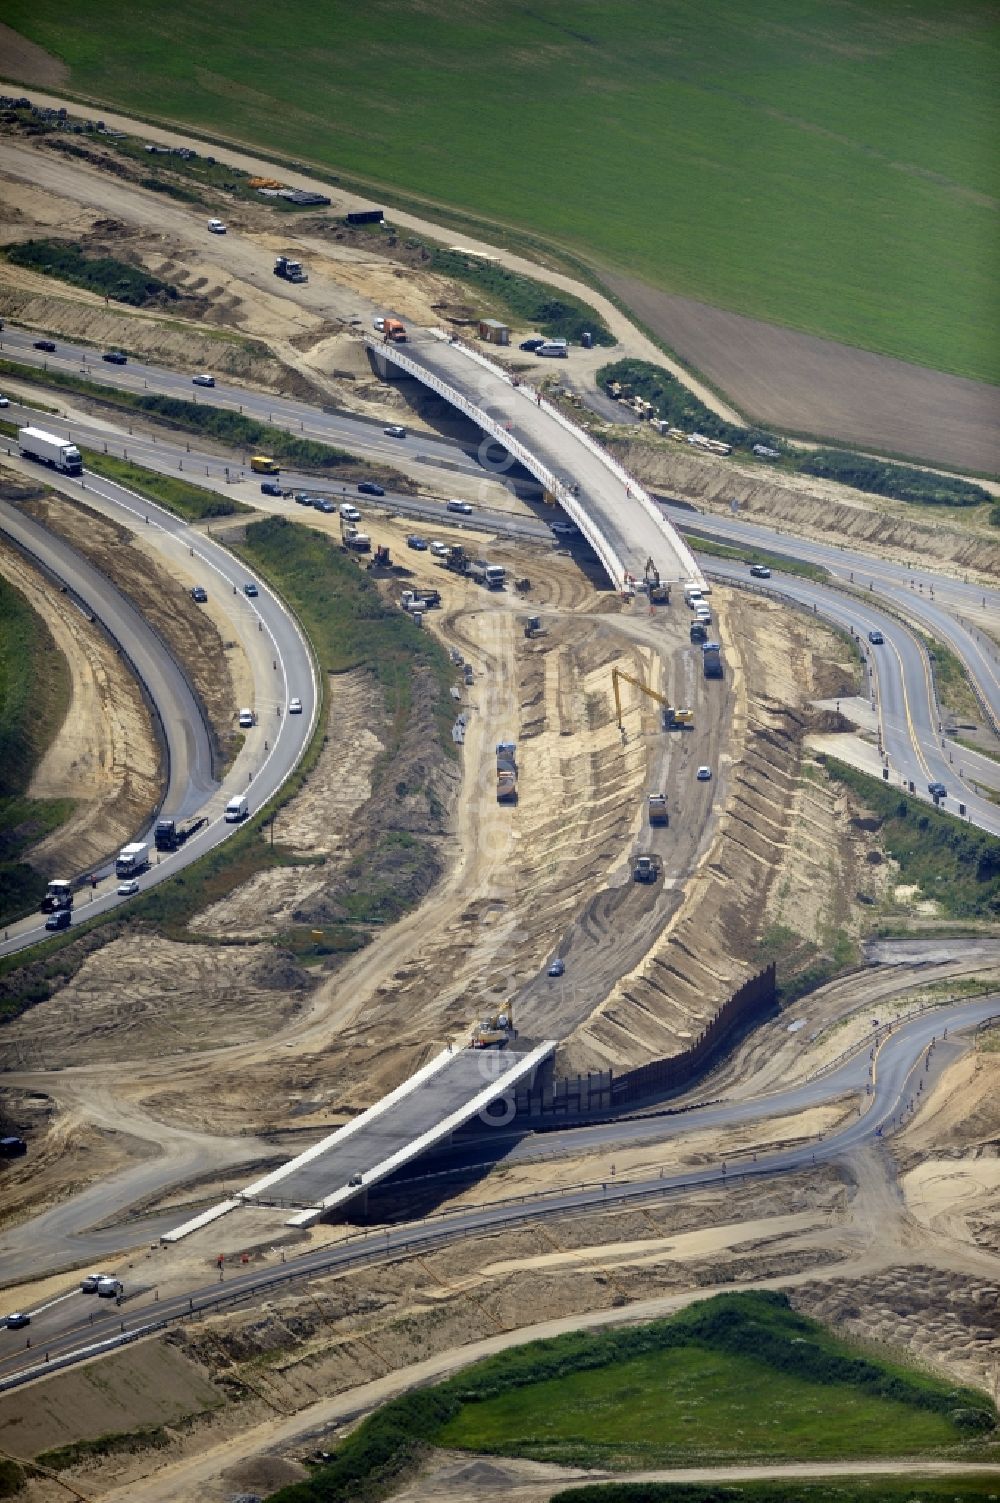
pixel 190 632
pixel 105 755
pixel 804 384
pixel 812 507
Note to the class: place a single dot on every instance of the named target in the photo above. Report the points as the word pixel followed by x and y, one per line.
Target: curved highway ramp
pixel 425 1110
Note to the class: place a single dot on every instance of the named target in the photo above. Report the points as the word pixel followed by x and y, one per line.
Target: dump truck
pixel 506 772
pixel 645 868
pixel 48 448
pixel 358 542
pixel 58 896
pixel 132 859
pixel 658 809
pixel 711 660
pixel 170 836
pixel 491 576
pixel 393 332
pixel 289 270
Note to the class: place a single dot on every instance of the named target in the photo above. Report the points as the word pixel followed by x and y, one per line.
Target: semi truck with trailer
pixel 48 448
pixel 170 836
pixel 132 859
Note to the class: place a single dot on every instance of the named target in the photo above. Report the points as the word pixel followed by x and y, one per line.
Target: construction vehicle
pixel 358 542
pixel 533 627
pixel 492 576
pixel 658 809
pixel 289 270
pixel 506 772
pixel 412 603
pixel 132 859
pixel 677 720
pixel 657 590
pixel 711 660
pixel 263 464
pixel 645 868
pixel 170 836
pixel 382 562
pixel 58 896
pixel 456 561
pixel 672 719
pixel 393 332
pixel 494 1032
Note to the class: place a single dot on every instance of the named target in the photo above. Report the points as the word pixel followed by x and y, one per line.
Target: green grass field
pixel 830 169
pixel 34 697
pixel 731 1378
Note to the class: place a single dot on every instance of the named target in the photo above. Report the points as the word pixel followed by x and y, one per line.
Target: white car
pixel 440 550
pixel 4 401
pixel 88 1285
pixel 462 507
pixel 203 380
pixel 395 430
pixel 128 889
pixel 247 720
pixel 217 227
pixel 109 1288
pixel 704 774
pixel 295 706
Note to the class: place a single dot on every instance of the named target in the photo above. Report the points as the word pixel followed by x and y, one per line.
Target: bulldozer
pixel 672 719
pixel 645 868
pixel 533 628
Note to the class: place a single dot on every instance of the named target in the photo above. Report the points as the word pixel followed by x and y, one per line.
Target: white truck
pixel 132 859
pixel 49 449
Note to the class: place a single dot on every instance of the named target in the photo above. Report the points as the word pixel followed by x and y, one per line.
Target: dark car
pixel 302 498
pixel 937 790
pixel 18 1320
pixel 250 588
pixel 369 488
pixel 557 968
pixel 324 505
pixel 270 488
pixel 531 344
pixel 203 380
pixel 416 542
pixel 395 430
pixel 45 344
pixel 61 919
pixel 115 357
pixel 760 571
pixel 200 594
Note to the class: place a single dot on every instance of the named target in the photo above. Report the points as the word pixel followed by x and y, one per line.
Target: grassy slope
pixel 832 170
pixel 34 697
pixel 732 1377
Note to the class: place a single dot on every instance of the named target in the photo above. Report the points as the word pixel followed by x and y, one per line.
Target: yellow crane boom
pixel 674 717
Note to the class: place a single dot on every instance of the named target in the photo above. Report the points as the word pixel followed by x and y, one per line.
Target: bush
pixel 101 274
pixel 895 480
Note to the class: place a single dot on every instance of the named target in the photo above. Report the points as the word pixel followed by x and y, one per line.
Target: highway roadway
pixel 276 649
pixel 918 752
pixel 72 1327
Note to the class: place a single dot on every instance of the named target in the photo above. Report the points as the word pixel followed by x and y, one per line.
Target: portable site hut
pixel 494 331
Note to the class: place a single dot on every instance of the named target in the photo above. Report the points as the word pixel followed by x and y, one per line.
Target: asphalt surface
pixel 279 657
pixel 71 1326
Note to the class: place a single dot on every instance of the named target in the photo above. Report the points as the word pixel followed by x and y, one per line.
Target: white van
pixel 460 506
pixel 247 719
pixel 350 513
pixel 553 347
pixel 237 809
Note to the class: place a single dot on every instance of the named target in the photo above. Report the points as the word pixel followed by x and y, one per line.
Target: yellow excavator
pixel 672 719
pixel 496 1031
